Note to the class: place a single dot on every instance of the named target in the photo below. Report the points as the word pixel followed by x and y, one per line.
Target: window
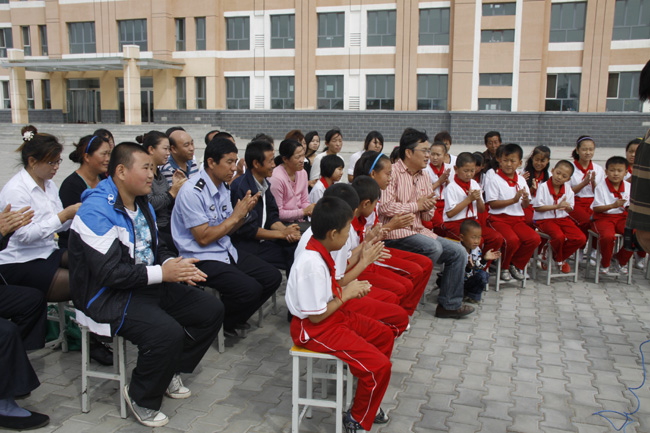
pixel 27 40
pixel 238 33
pixel 631 20
pixel 283 31
pixel 562 92
pixel 494 104
pixel 494 9
pixel 82 37
pixel 45 90
pixel 495 79
pixel 30 94
pixel 42 33
pixel 180 34
pixel 434 26
pixel 568 22
pixel 330 92
pixel 6 96
pixel 133 32
pixel 238 93
pixel 282 96
pixel 200 33
pixel 382 28
pixel 331 30
pixel 622 92
pixel 181 98
pixel 200 93
pixel 380 92
pixel 498 35
pixel 432 92
pixel 6 41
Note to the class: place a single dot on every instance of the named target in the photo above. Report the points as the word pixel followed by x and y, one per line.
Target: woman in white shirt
pixel 333 145
pixel 374 142
pixel 32 257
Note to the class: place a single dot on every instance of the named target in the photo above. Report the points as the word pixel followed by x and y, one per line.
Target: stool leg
pixel 62 327
pixel 577 266
pixel 597 277
pixel 348 392
pixel 85 360
pixel 310 384
pixel 339 394
pixel 588 253
pixel 295 393
pixel 498 274
pixel 549 263
pixel 121 349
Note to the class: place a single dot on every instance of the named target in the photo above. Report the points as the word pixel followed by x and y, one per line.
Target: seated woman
pixel 93 153
pixel 32 257
pixel 162 196
pixel 289 183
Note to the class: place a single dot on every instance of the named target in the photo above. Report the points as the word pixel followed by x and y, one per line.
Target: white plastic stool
pixel 549 262
pixel 308 402
pixel 119 360
pixel 618 244
pixel 60 317
pixel 498 276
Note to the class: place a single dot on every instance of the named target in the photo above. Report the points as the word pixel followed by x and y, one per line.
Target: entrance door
pixel 84 101
pixel 146 101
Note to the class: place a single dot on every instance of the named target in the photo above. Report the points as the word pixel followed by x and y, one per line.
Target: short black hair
pixel 614 160
pixel 512 148
pixel 638 140
pixel 565 163
pixel 367 188
pixel 478 157
pixel 263 137
pixel 331 134
pixel 217 148
pixel 286 150
pixel 223 134
pixel 439 144
pixel 123 154
pixel 409 139
pixel 345 192
pixel 491 134
pixel 371 136
pixel 365 164
pixel 644 83
pixel 105 133
pixel 329 164
pixel 465 158
pixel 255 151
pixel 443 136
pixel 207 136
pixel 468 224
pixel 330 213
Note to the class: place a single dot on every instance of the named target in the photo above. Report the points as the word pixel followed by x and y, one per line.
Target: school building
pixel 140 61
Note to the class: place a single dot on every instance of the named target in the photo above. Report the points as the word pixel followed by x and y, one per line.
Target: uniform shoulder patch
pixel 200 184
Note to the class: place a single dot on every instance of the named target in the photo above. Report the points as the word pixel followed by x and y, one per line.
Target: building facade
pixel 138 60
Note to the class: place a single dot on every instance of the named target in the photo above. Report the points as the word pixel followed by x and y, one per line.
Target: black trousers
pixel 278 253
pixel 244 286
pixel 173 326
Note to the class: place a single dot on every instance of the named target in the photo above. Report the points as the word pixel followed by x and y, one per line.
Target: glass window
pixel 631 20
pixel 622 92
pixel 42 33
pixel 494 104
pixel 434 26
pixel 6 96
pixel 200 93
pixel 82 37
pixel 432 92
pixel 568 22
pixel 180 34
pixel 495 79
pixel 200 33
pixel 181 96
pixel 133 32
pixel 330 92
pixel 331 30
pixel 6 41
pixel 282 93
pixel 30 94
pixel 507 35
pixel 238 33
pixel 493 9
pixel 380 92
pixel 283 31
pixel 382 28
pixel 45 90
pixel 27 40
pixel 238 93
pixel 562 92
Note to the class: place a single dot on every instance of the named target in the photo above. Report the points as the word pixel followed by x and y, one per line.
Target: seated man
pixel 203 220
pixel 263 234
pixel 114 279
pixel 181 146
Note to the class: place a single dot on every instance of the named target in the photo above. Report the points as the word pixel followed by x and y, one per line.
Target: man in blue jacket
pixel 121 275
pixel 263 234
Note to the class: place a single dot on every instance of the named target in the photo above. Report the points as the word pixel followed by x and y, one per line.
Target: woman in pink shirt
pixel 289 183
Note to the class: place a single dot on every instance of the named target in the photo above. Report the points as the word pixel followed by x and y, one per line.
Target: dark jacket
pixel 103 272
pixel 238 190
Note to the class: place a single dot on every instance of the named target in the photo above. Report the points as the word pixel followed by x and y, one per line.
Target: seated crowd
pixel 142 227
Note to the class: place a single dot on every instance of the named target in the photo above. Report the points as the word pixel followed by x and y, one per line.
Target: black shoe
pixel 443 313
pixel 231 333
pixel 381 417
pixel 22 397
pixel 34 421
pixel 100 352
pixel 350 425
pixel 245 326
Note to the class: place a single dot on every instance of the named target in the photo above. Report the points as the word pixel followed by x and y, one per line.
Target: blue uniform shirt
pixel 199 201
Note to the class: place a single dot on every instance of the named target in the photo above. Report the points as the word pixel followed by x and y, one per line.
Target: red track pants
pixel 607 226
pixel 520 240
pixel 565 235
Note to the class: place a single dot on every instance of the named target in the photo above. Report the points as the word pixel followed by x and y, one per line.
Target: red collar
pixel 512 183
pixel 438 171
pixel 617 193
pixel 324 182
pixel 465 186
pixel 359 225
pixel 315 245
pixel 582 169
pixel 551 189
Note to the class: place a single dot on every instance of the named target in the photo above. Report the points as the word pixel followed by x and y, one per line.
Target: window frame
pixel 42 34
pixel 25 33
pixel 564 101
pixel 280 41
pixel 46 94
pixel 323 36
pixel 499 101
pixel 325 102
pixel 86 46
pixel 432 102
pixel 632 99
pixel 29 94
pixel 181 93
pixel 384 103
pixel 557 31
pixel 6 94
pixel 122 25
pixel 201 39
pixel 505 36
pixel 499 9
pixel 200 91
pixel 234 43
pixel 643 15
pixel 289 102
pixel 386 39
pixel 489 79
pixel 444 13
pixel 180 40
pixel 234 84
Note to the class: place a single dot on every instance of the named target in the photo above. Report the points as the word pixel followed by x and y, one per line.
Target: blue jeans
pixel 475 285
pixel 443 251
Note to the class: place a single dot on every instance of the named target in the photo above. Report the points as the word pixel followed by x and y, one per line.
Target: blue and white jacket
pixel 103 272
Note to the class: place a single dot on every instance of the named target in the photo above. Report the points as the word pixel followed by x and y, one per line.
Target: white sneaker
pixel 516 273
pixel 145 416
pixel 609 272
pixel 505 275
pixel 176 388
pixel 639 262
pixel 621 270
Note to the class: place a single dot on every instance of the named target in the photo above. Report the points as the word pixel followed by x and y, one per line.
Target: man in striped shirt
pixel 181 146
pixel 410 192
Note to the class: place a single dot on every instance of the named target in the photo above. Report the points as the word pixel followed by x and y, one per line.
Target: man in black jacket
pixel 120 275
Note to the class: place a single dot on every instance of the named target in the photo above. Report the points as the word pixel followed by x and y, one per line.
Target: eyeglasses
pixel 55 163
pixel 425 151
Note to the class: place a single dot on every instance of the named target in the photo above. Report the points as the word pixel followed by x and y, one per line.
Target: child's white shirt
pixel 434 177
pixel 309 287
pixel 341 256
pixel 496 188
pixel 603 196
pixel 316 192
pixel 577 177
pixel 545 198
pixel 454 194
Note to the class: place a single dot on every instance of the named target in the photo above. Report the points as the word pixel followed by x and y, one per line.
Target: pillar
pixel 132 102
pixel 18 88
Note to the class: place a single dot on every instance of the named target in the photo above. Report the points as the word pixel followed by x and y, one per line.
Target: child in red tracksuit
pixel 508 195
pixel 440 174
pixel 322 323
pixel 552 203
pixel 611 200
pixel 584 180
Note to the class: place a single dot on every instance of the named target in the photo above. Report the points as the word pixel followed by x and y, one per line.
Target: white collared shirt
pixel 602 197
pixel 577 177
pixel 35 240
pixel 496 188
pixel 545 198
pixel 454 194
